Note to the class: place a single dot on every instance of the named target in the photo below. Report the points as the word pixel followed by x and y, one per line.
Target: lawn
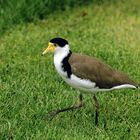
pixel 30 87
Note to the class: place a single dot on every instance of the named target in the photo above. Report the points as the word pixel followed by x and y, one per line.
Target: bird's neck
pixel 66 66
pixel 61 63
pixel 61 53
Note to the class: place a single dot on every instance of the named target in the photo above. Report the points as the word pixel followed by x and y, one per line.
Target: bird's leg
pixel 97 109
pixel 76 106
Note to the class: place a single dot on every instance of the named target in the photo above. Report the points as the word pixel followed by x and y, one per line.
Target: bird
pixel 85 73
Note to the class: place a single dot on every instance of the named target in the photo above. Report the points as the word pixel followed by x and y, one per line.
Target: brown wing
pixel 86 67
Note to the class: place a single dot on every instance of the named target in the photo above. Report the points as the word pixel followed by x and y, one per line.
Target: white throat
pixel 59 54
pixel 61 51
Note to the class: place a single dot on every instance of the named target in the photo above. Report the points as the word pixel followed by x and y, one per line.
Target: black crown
pixel 60 41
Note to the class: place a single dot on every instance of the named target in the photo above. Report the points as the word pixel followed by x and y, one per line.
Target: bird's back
pixel 86 67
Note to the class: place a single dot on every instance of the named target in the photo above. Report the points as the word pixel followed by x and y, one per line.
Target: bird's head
pixel 57 45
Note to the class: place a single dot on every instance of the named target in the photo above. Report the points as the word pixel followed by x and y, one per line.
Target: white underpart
pixel 74 81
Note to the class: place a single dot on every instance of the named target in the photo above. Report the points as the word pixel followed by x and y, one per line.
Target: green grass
pixel 30 86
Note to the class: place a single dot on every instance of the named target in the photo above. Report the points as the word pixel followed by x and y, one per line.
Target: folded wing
pixel 86 67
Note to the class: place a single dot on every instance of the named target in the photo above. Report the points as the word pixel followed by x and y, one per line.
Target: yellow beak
pixel 50 48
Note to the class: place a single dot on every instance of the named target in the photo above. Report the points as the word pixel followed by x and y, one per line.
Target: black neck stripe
pixel 66 66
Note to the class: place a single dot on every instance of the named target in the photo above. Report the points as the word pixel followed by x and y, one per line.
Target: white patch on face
pixel 62 50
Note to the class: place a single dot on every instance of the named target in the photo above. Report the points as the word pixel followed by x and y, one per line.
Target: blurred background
pixel 19 11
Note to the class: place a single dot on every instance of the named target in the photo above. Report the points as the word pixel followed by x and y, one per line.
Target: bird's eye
pixel 55 44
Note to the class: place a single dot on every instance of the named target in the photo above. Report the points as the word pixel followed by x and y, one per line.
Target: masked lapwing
pixel 85 73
